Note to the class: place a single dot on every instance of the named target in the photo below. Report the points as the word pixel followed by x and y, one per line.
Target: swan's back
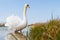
pixel 13 21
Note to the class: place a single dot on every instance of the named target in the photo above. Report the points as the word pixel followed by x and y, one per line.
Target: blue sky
pixel 40 10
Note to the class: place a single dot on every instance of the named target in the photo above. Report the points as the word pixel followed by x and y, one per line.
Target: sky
pixel 39 11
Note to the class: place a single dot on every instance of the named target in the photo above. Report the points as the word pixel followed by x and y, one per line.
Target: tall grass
pixel 45 31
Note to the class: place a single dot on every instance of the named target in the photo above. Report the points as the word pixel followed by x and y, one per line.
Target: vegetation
pixel 45 31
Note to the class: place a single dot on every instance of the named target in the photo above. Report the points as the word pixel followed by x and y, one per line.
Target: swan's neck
pixel 24 14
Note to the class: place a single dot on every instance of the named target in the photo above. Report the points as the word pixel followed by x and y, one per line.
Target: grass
pixel 45 31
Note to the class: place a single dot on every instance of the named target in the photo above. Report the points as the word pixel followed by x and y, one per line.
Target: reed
pixel 45 31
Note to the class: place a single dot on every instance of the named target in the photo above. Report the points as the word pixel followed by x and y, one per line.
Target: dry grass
pixel 45 31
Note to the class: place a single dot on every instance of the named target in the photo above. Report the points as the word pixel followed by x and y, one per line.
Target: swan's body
pixel 15 23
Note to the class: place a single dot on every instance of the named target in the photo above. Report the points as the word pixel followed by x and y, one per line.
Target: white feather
pixel 16 24
pixel 13 21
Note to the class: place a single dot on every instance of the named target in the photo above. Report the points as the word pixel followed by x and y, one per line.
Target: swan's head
pixel 27 6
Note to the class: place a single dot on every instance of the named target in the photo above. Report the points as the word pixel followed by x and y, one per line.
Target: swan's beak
pixel 29 7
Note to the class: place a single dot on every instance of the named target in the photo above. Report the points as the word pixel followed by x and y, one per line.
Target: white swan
pixel 15 23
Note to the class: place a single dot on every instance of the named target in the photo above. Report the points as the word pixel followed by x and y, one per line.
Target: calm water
pixel 4 32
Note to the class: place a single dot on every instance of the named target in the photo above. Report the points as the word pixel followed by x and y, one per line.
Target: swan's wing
pixel 13 21
pixel 20 27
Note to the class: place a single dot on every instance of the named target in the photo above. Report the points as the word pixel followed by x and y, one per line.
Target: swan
pixel 15 23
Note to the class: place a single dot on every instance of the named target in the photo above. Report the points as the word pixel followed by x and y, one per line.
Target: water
pixel 3 32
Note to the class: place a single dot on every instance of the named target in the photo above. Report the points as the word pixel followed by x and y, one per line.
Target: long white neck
pixel 24 14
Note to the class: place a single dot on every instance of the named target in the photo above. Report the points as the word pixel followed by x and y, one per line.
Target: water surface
pixel 4 32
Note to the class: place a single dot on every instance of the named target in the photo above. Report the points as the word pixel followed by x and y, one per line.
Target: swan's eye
pixel 27 5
